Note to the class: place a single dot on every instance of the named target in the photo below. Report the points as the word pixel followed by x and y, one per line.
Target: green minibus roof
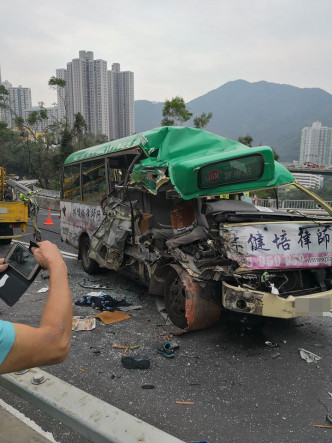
pixel 198 162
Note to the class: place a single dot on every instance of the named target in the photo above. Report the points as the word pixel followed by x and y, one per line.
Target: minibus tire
pixel 175 299
pixel 90 266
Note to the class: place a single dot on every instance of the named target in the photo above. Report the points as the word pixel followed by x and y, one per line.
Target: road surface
pixel 242 388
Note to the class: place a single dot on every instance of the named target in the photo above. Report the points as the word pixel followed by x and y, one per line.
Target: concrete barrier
pixel 48 202
pixel 48 198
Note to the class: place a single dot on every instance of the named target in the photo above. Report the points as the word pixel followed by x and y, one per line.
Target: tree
pixel 58 84
pixel 39 148
pixel 4 99
pixel 175 112
pixel 246 140
pixel 55 82
pixel 12 151
pixel 203 120
pixel 45 145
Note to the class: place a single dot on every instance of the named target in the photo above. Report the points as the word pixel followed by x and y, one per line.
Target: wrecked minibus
pixel 170 208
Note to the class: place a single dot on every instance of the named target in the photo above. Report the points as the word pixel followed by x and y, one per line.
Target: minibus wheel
pixel 175 299
pixel 90 266
pixel 187 302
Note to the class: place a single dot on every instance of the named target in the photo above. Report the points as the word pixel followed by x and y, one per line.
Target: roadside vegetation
pixel 36 148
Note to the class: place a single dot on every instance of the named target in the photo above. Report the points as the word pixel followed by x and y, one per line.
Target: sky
pixel 174 47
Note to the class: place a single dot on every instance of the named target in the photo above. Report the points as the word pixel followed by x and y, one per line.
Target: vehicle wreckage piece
pixel 248 301
pixel 108 241
pixel 185 302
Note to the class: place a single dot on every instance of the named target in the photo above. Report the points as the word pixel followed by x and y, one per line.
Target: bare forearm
pixel 57 313
pixel 50 342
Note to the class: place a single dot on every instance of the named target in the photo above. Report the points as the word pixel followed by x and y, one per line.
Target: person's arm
pixel 50 342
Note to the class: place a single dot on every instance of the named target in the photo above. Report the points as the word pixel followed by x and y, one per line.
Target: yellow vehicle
pixel 13 212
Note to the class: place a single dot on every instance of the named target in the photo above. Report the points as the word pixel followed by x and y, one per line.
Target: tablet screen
pixel 21 260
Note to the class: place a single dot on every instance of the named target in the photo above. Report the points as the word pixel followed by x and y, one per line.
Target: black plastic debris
pixel 135 362
pixel 103 302
pixel 148 387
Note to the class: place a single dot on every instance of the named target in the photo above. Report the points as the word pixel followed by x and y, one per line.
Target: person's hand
pixel 47 254
pixel 3 266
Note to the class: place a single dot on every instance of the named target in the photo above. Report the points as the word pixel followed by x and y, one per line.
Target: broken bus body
pixel 167 207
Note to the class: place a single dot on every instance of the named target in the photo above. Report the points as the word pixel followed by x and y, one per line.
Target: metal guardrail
pixel 94 419
pixel 289 204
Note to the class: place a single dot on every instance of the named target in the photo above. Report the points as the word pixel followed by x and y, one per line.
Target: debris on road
pixel 126 348
pixel 42 290
pixel 322 426
pixel 112 317
pixel 175 345
pixel 83 323
pixel 136 362
pixel 101 301
pixel 167 350
pixel 185 402
pixel 148 387
pixel 271 345
pixel 308 356
pixel 97 286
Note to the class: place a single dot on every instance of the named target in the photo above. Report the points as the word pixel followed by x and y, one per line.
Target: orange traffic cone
pixel 49 218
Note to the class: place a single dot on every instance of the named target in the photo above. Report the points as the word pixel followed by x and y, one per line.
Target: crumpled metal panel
pixel 150 179
pixel 252 300
pixel 108 241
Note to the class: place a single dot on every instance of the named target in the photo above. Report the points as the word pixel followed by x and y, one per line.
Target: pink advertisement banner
pixel 283 261
pixel 280 246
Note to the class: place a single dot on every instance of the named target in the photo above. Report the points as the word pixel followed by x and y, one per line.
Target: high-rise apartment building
pixel 316 145
pixel 104 98
pixel 85 92
pixel 310 181
pixel 19 99
pixel 121 102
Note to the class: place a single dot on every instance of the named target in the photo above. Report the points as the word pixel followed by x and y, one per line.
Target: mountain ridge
pixel 272 113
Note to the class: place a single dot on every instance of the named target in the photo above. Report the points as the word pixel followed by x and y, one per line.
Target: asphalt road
pixel 243 389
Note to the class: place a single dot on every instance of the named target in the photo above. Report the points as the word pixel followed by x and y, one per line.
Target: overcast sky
pixel 174 47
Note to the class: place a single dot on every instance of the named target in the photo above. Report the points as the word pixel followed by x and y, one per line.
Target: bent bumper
pixel 248 301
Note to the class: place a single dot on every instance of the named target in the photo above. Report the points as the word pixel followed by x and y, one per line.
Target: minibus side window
pixel 93 180
pixel 71 182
